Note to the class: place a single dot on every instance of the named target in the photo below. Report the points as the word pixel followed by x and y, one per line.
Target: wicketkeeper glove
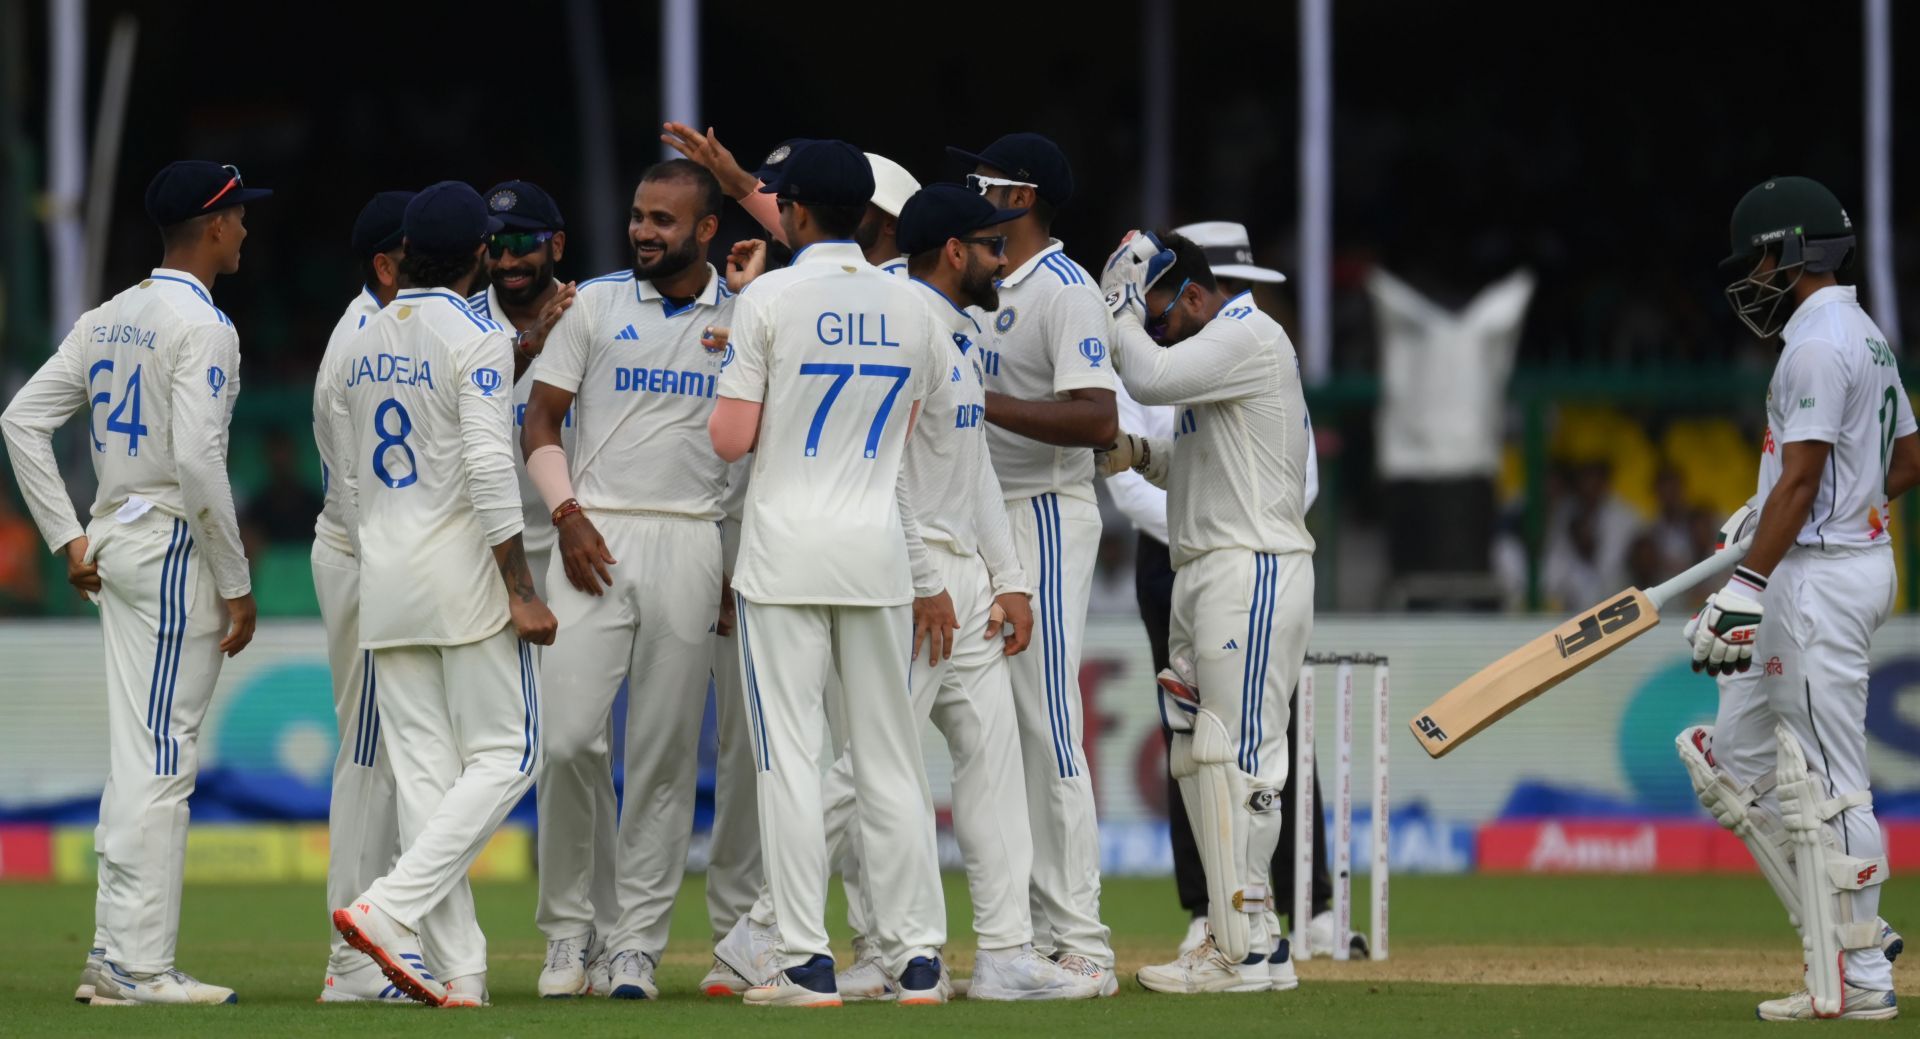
pixel 1133 268
pixel 1722 632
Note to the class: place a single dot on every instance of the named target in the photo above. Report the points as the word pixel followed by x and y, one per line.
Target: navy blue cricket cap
pixel 1027 157
pixel 194 187
pixel 938 212
pixel 779 155
pixel 521 205
pixel 378 227
pixel 447 217
pixel 822 173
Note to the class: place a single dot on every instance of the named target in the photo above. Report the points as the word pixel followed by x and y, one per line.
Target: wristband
pixel 567 508
pixel 1750 577
pixel 1142 455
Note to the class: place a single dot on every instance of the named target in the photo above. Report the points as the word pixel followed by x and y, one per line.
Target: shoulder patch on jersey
pixel 1003 321
pixel 1093 350
pixel 216 380
pixel 487 379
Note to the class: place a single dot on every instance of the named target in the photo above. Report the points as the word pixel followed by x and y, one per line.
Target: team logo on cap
pixel 503 200
pixel 488 379
pixel 216 380
pixel 1004 321
pixel 777 156
pixel 1093 350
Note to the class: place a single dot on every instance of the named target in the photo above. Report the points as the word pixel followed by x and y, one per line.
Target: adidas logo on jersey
pixel 626 333
pixel 956 374
pixel 1231 644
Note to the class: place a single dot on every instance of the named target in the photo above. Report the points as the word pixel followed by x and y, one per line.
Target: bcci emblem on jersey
pixel 488 379
pixel 1093 350
pixel 1004 322
pixel 216 380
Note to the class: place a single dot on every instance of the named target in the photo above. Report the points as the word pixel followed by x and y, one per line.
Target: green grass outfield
pixel 1472 956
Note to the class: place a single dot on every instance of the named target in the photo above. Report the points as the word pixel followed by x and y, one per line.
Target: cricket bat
pixel 1504 685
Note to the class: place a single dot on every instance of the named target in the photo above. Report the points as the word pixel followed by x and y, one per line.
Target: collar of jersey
pixel 1020 273
pixel 169 274
pixel 1246 294
pixel 833 250
pixel 407 295
pixel 1820 298
pixel 948 300
pixel 644 291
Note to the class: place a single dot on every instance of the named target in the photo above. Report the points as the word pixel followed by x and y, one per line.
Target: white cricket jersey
pixel 1237 478
pixel 157 369
pixel 956 496
pixel 897 267
pixel 1049 336
pixel 330 415
pixel 538 534
pixel 1838 382
pixel 643 391
pixel 837 354
pixel 429 418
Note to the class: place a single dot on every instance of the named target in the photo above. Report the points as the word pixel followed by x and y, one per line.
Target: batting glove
pixel 1739 527
pixel 1133 268
pixel 1722 632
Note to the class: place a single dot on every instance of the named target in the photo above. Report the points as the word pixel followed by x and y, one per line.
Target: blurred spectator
pixel 1573 574
pixel 283 510
pixel 21 591
pixel 1672 529
pixel 1113 574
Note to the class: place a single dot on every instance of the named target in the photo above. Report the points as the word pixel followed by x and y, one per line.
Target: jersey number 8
pixel 389 441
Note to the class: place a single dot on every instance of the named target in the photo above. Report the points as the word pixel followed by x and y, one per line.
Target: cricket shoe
pixel 748 950
pixel 362 983
pixel 1196 933
pixel 1102 978
pixel 1206 969
pixel 1320 938
pixel 599 970
pixel 633 976
pixel 723 980
pixel 1280 973
pixel 808 985
pixel 1856 1004
pixel 92 976
pixel 866 981
pixel 564 975
pixel 393 946
pixel 467 990
pixel 1891 944
pixel 924 983
pixel 118 987
pixel 1009 975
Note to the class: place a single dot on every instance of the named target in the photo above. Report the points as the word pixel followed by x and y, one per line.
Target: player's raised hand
pixel 745 261
pixel 83 574
pixel 584 553
pixel 536 337
pixel 1011 607
pixel 934 623
pixel 241 615
pixel 706 149
pixel 714 338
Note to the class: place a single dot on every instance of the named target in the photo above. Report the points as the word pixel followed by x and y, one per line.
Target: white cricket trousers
pixel 1810 663
pixel 163 621
pixel 461 727
pixel 734 876
pixel 653 627
pixel 363 835
pixel 1057 538
pixel 787 652
pixel 970 702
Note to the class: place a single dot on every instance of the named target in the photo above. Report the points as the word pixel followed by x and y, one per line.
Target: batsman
pixel 1243 580
pixel 1785 764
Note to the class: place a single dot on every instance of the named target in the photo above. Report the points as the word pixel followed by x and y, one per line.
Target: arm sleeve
pixel 1813 383
pixel 1080 333
pixel 743 371
pixel 925 580
pixel 1144 505
pixel 563 360
pixel 991 529
pixel 43 405
pixel 766 210
pixel 200 453
pixel 485 422
pixel 346 453
pixel 1222 361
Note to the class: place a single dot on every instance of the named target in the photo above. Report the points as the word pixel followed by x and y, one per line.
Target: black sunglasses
pixel 996 242
pixel 519 243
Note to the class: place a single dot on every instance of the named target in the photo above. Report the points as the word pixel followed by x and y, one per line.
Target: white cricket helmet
pixel 1228 247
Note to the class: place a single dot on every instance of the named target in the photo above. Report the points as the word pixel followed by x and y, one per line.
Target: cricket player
pixel 831 361
pixel 157 368
pixel 363 837
pixel 1050 398
pixel 429 471
pixel 636 505
pixel 1785 764
pixel 1243 581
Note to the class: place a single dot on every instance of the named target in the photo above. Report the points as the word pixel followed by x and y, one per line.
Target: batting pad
pixel 1231 822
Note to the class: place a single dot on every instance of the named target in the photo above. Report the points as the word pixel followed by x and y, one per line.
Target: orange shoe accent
pixel 343 922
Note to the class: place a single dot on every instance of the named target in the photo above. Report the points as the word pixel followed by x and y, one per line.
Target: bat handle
pixel 1698 572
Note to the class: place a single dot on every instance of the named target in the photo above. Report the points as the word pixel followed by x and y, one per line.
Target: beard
pixel 673 259
pixel 867 235
pixel 541 277
pixel 977 283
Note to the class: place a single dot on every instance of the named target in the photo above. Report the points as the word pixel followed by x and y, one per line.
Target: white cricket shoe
pixel 632 973
pixel 564 974
pixel 599 969
pixel 393 946
pixel 1105 981
pixel 467 990
pixel 363 983
pixel 1320 937
pixel 1205 969
pixel 1856 1004
pixel 1196 933
pixel 748 949
pixel 866 981
pixel 1007 975
pixel 723 980
pixel 118 987
pixel 92 975
pixel 808 985
pixel 1280 973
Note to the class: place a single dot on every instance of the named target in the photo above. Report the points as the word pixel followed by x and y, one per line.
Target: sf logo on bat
pixel 1597 625
pixel 1430 728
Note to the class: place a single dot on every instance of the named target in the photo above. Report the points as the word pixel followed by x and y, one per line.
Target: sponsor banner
pixel 1643 846
pixel 260 853
pixel 26 853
